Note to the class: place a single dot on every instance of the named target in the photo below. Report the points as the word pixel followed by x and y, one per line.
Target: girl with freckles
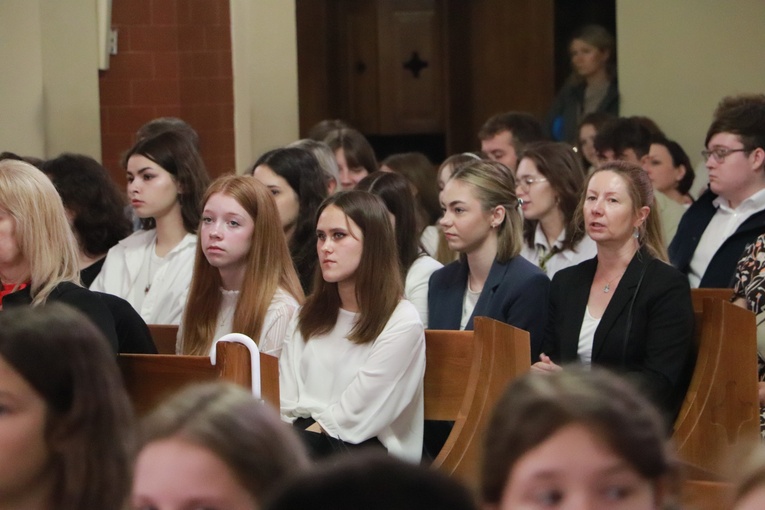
pixel 244 280
pixel 352 367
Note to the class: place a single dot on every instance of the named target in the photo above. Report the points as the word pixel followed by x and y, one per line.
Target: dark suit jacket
pixel 719 273
pixel 87 302
pixel 515 293
pixel 660 341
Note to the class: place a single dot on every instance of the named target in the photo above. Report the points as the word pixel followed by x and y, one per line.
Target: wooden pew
pixel 698 296
pixel 150 378
pixel 721 409
pixel 466 373
pixel 164 336
pixel 707 495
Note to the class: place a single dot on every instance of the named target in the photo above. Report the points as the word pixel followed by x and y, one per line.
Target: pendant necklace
pixel 607 287
pixel 152 251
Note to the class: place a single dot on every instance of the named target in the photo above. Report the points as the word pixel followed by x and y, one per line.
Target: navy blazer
pixel 515 293
pixel 659 343
pixel 722 267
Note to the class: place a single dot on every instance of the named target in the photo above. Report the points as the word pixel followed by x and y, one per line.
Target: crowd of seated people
pixel 337 268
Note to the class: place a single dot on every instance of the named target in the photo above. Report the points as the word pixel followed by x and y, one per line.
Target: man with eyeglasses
pixel 716 229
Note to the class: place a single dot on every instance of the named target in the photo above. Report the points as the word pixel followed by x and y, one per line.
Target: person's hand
pixel 545 365
pixel 315 427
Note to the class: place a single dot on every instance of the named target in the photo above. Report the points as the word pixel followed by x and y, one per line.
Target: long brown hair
pixel 89 426
pixel 558 163
pixel 535 407
pixel 269 267
pixel 243 433
pixel 379 285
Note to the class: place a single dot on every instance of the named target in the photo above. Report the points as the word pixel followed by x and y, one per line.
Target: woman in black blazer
pixel 626 309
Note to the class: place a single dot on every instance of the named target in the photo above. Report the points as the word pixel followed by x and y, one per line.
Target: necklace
pixel 152 252
pixel 607 287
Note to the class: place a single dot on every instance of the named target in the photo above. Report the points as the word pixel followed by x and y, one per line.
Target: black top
pixel 87 302
pixel 89 274
pixel 646 330
pixel 122 326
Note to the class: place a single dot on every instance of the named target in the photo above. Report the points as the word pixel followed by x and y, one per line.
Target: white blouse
pixel 416 284
pixel 164 300
pixel 359 391
pixel 538 255
pixel 278 316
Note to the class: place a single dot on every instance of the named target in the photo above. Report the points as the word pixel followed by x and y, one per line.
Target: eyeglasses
pixel 526 182
pixel 720 153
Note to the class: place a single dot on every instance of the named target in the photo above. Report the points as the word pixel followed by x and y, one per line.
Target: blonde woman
pixel 482 222
pixel 39 262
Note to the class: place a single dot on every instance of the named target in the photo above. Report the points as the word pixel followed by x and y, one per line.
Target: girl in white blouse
pixel 352 367
pixel 244 280
pixel 151 269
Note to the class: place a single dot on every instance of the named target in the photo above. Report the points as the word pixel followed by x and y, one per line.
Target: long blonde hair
pixel 42 231
pixel 269 267
pixel 494 185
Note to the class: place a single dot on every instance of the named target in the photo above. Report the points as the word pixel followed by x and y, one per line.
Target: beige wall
pixel 264 52
pixel 49 83
pixel 21 84
pixel 72 117
pixel 678 58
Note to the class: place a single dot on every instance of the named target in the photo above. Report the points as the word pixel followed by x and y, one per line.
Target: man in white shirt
pixel 716 229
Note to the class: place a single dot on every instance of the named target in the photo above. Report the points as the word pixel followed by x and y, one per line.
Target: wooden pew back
pixel 721 407
pixel 465 375
pixel 150 378
pixel 164 336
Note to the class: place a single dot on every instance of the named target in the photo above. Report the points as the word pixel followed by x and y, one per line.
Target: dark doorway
pixel 569 16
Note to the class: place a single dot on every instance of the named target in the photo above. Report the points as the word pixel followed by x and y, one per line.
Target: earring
pixel 636 233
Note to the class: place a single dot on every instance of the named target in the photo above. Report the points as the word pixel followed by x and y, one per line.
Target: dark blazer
pixel 659 342
pixel 721 268
pixel 515 293
pixel 562 121
pixel 87 302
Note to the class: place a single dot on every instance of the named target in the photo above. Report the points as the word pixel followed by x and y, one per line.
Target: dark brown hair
pixel 536 406
pixel 358 152
pixel 558 163
pixel 377 292
pixel 178 156
pixel 98 205
pixel 396 194
pixel 372 481
pixel 524 127
pixel 89 429
pixel 245 434
pixel 419 171
pixel 302 172
pixel 742 115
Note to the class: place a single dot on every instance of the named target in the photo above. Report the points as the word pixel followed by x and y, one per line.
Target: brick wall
pixel 174 59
